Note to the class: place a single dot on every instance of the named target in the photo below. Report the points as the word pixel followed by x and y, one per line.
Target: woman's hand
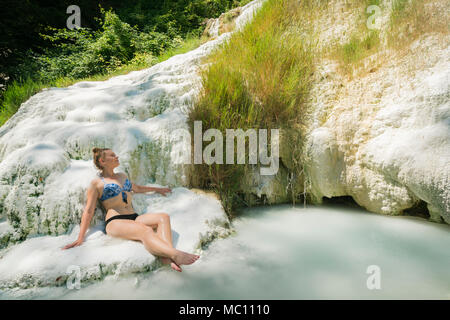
pixel 73 244
pixel 163 191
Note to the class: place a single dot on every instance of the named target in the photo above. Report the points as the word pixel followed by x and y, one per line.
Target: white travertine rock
pixel 386 140
pixel 39 261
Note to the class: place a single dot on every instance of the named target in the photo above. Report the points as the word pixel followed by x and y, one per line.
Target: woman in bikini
pixel 114 191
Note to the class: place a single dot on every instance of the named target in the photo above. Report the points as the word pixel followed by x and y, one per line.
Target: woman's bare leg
pixel 137 231
pixel 158 220
pixel 163 230
pixel 158 247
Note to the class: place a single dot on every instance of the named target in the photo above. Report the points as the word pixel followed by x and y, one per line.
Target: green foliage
pixel 372 3
pixel 137 36
pixel 18 92
pixel 356 49
pixel 398 7
pixel 81 53
pixel 351 50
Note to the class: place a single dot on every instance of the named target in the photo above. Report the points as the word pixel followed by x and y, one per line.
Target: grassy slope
pixel 262 77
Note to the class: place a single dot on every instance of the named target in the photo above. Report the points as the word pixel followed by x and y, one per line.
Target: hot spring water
pixel 280 252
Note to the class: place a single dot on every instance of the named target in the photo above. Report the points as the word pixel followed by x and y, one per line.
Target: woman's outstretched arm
pixel 88 213
pixel 142 189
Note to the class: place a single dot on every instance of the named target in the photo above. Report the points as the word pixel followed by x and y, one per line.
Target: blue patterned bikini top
pixel 111 190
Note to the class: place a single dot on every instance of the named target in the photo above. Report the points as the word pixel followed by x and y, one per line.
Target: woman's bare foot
pixel 182 257
pixel 174 266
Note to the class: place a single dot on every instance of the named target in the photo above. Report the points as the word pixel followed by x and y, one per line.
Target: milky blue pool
pixel 282 252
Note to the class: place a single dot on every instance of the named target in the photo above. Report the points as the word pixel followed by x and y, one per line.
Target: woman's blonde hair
pixel 98 153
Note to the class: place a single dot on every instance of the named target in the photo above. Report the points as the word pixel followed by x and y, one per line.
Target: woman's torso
pixel 115 205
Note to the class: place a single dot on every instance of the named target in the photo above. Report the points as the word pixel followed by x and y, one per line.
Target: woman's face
pixel 110 160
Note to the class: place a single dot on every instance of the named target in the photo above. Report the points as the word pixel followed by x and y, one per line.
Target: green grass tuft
pixel 260 78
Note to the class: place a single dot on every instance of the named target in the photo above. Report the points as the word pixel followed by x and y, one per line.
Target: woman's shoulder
pixel 94 185
pixel 95 182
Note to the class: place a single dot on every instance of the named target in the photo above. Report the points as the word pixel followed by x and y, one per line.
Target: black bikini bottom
pixel 132 216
